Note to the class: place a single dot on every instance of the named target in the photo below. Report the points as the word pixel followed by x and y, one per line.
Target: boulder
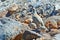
pixel 3 13
pixel 13 7
pixel 52 22
pixel 10 28
pixel 56 37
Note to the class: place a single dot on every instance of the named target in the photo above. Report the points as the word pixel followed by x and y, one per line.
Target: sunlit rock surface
pixel 9 28
pixel 37 17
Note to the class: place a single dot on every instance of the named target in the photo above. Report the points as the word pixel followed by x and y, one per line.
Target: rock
pixel 56 37
pixel 51 24
pixel 38 21
pixel 58 23
pixel 46 36
pixel 30 35
pixel 18 37
pixel 25 26
pixel 12 10
pixel 24 20
pixel 54 32
pixel 13 7
pixel 3 13
pixel 32 26
pixel 29 20
pixel 10 28
pixel 52 21
pixel 17 16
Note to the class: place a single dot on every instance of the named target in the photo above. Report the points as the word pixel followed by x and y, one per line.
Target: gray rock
pixel 56 37
pixel 9 28
pixel 32 25
pixel 38 21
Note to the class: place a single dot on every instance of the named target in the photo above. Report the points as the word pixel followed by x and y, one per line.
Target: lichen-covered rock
pixel 52 21
pixel 38 21
pixel 32 26
pixel 30 35
pixel 6 4
pixel 58 23
pixel 13 7
pixel 45 36
pixel 53 32
pixel 3 13
pixel 10 28
pixel 28 21
pixel 51 24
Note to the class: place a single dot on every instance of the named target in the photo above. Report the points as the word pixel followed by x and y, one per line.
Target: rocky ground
pixel 24 20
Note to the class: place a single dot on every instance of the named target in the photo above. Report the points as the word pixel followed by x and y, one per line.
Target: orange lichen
pixel 18 37
pixel 58 23
pixel 48 24
pixel 27 21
